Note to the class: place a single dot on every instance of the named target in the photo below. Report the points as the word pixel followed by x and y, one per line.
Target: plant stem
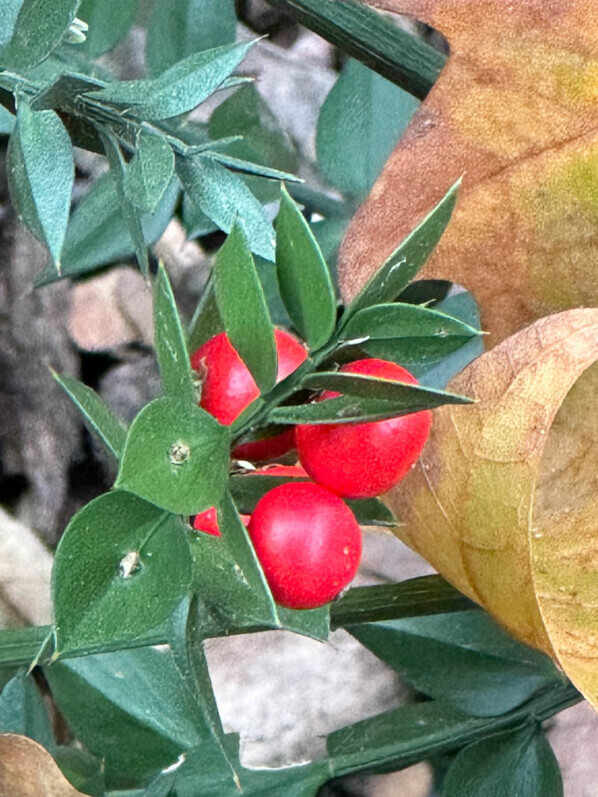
pixel 448 731
pixel 371 38
pixel 412 598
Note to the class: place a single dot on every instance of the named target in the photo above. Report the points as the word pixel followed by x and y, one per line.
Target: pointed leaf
pixel 181 27
pixel 109 21
pixel 517 762
pixel 405 321
pixel 41 172
pixel 303 276
pixel 129 210
pixel 23 711
pixel 170 345
pixel 263 140
pixel 369 387
pixel 225 199
pixel 131 708
pixel 359 124
pixel 407 259
pixel 31 42
pixel 438 374
pixel 470 661
pixel 97 415
pixel 150 171
pixel 243 309
pixel 352 409
pixel 176 456
pixel 7 121
pixel 180 88
pixel 206 321
pixel 97 233
pixel 121 567
pixel 237 540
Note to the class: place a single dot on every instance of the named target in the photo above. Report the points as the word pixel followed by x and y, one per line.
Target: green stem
pixel 455 731
pixel 404 59
pixel 412 598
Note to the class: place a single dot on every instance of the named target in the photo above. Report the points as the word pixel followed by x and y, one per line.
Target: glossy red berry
pixel 228 387
pixel 362 460
pixel 308 543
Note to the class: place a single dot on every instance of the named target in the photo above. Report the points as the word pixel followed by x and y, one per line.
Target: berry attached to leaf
pixel 228 388
pixel 362 460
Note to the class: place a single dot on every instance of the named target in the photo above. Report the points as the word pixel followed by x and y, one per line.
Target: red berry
pixel 308 543
pixel 207 521
pixel 228 387
pixel 361 460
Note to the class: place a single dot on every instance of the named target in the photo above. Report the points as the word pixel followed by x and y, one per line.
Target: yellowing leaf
pixel 515 111
pixel 504 501
pixel 28 770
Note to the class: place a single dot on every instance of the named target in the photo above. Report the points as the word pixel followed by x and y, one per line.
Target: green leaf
pixel 404 263
pixel 226 599
pixel 243 309
pixel 463 306
pixel 470 661
pixel 83 770
pixel 41 173
pixel 304 279
pixel 132 708
pixel 357 409
pixel 150 171
pixel 7 121
pixel 129 211
pixel 263 140
pixel 400 320
pixel 206 321
pixel 180 88
pixel 416 337
pixel 97 415
pixel 171 348
pixel 121 567
pixel 204 771
pixel 187 646
pixel 97 233
pixel 369 387
pixel 9 12
pixel 31 42
pixel 176 456
pixel 23 711
pixel 225 199
pixel 109 21
pixel 181 27
pixel 518 762
pixel 236 539
pixel 360 122
pixel 372 512
pixel 196 223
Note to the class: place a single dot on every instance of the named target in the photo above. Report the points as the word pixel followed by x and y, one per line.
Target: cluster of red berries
pixel 306 538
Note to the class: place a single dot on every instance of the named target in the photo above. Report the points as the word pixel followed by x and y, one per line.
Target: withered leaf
pixel 504 501
pixel 515 112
